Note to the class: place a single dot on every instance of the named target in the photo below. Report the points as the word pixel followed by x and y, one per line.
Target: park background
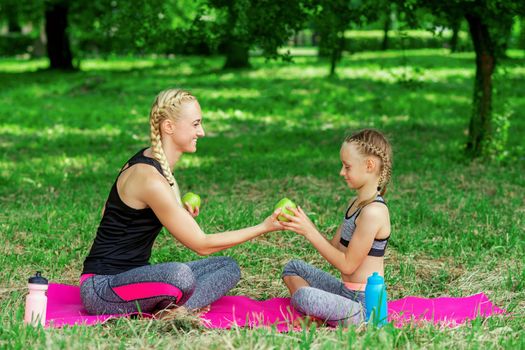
pixel 280 84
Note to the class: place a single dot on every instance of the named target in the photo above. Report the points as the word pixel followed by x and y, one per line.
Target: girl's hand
pixel 271 223
pixel 193 213
pixel 299 223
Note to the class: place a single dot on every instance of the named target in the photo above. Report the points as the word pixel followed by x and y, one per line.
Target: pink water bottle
pixel 36 301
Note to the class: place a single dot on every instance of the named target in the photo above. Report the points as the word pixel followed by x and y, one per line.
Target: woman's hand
pixel 299 223
pixel 193 213
pixel 271 223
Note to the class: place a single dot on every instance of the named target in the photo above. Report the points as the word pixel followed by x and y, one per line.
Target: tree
pixel 387 25
pixel 455 24
pixel 488 22
pixel 56 26
pixel 333 18
pixel 138 27
pixel 73 26
pixel 54 15
pixel 10 12
pixel 240 25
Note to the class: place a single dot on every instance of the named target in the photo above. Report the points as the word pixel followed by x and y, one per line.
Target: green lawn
pixel 272 131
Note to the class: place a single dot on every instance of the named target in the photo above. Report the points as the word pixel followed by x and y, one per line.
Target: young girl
pixel 117 277
pixel 358 247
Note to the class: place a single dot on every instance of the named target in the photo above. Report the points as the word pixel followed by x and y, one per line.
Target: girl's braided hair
pixel 371 142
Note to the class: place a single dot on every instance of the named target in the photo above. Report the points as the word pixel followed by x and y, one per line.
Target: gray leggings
pixel 326 298
pixel 153 287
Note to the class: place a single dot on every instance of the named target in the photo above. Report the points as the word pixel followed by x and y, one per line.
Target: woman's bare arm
pixel 157 194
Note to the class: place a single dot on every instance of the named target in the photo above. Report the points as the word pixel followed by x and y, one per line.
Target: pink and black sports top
pixel 349 225
pixel 125 235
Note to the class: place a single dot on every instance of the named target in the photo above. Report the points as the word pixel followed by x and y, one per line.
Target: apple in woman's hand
pixel 283 203
pixel 192 199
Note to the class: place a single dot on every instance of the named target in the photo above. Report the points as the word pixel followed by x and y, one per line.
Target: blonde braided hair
pixel 371 142
pixel 166 106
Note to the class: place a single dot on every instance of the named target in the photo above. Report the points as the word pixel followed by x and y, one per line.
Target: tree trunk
pixel 58 49
pixel 386 28
pixel 237 55
pixel 237 49
pixel 337 52
pixel 333 61
pixel 480 128
pixel 456 24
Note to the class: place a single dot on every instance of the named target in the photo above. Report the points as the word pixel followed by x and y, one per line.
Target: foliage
pixel 334 18
pixel 498 15
pixel 360 40
pixel 490 23
pixel 15 44
pixel 265 25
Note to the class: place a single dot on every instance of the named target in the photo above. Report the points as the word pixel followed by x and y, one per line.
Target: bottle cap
pixel 37 279
pixel 375 278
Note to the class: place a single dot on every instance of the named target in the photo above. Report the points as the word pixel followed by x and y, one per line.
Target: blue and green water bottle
pixel 375 300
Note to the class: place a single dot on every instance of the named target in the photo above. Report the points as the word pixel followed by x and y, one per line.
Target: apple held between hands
pixel 192 199
pixel 283 204
pixel 299 222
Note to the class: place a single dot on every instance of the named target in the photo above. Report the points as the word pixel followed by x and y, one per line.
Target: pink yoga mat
pixel 445 311
pixel 64 307
pixel 242 311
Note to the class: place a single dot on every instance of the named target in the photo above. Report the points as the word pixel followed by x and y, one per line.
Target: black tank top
pixel 125 235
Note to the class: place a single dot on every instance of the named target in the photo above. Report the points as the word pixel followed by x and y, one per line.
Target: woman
pixel 117 277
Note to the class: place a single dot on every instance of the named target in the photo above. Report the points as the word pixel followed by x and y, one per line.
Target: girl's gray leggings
pixel 153 287
pixel 326 298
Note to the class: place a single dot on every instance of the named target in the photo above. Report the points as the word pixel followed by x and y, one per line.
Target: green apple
pixel 192 199
pixel 283 203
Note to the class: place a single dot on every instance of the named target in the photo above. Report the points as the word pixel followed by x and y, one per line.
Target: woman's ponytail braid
pixel 166 106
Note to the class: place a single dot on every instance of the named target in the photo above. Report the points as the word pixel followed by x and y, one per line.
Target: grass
pixel 272 131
